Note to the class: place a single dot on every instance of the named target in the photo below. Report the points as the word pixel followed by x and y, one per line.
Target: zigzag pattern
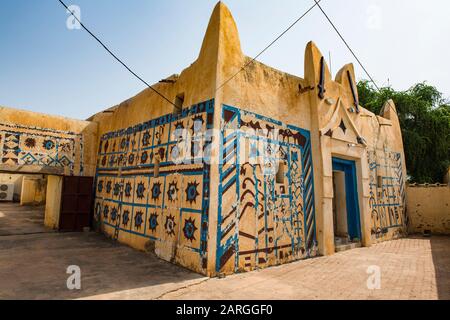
pixel 40 147
pixel 262 221
pixel 387 202
pixel 228 211
pixel 297 194
pixel 308 195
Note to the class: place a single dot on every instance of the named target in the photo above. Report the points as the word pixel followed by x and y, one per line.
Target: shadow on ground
pixel 34 267
pixel 34 262
pixel 441 261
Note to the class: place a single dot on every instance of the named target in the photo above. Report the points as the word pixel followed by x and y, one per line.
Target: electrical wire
pixel 115 57
pixel 347 45
pixel 270 45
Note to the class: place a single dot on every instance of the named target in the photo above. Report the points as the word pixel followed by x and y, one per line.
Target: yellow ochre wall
pixel 167 214
pixel 33 190
pixel 32 142
pixel 429 209
pixel 215 214
pixel 310 129
pixel 373 142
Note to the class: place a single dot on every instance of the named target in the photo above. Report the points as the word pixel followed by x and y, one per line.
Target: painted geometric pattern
pixel 35 146
pixel 171 206
pixel 262 221
pixel 387 192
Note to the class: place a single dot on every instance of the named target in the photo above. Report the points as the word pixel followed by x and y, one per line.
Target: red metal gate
pixel 76 203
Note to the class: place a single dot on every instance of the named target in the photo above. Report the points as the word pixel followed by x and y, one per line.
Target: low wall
pixel 33 190
pixel 32 142
pixel 428 208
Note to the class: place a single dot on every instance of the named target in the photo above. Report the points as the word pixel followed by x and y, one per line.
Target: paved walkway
pixel 33 265
pixel 415 268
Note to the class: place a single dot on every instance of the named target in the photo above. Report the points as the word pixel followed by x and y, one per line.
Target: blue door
pixel 351 192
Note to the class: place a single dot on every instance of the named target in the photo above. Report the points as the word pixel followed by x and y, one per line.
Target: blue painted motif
pixel 283 214
pixel 134 161
pixel 140 190
pixel 114 214
pixel 189 229
pixel 156 191
pixel 387 200
pixel 153 222
pixel 43 147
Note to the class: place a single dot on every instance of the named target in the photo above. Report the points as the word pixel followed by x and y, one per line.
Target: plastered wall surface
pixel 252 221
pixel 165 212
pixel 447 177
pixel 31 142
pixel 263 221
pixel 53 203
pixel 196 83
pixel 220 212
pixel 428 209
pixel 34 190
pixel 387 194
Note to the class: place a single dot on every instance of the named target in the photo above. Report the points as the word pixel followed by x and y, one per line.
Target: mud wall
pixel 152 185
pixel 428 209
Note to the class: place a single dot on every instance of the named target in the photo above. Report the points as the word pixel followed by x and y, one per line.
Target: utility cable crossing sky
pixel 317 4
pixel 115 57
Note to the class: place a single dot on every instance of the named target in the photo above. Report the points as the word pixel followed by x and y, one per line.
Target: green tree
pixel 425 121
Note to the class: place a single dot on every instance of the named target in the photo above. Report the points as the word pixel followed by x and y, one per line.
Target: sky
pixel 47 67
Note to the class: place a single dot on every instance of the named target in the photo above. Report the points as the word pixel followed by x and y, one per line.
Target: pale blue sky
pixel 48 68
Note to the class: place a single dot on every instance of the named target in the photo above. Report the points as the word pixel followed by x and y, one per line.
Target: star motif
pixel 170 225
pixel 114 214
pixel 126 217
pixel 128 190
pixel 189 229
pixel 138 219
pixel 146 139
pixel 153 222
pixel 105 212
pixel 48 144
pixel 144 157
pixel 191 192
pixel 108 187
pixel 197 125
pixel 140 190
pixel 100 186
pixel 172 191
pixel 156 191
pixel 30 142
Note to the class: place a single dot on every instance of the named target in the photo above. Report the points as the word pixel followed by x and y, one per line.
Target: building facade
pixel 245 170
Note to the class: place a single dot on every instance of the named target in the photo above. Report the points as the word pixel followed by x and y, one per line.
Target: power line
pixel 359 62
pixel 348 46
pixel 115 57
pixel 270 45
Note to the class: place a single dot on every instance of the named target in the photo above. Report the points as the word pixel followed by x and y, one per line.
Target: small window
pixel 156 169
pixel 281 173
pixel 179 101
